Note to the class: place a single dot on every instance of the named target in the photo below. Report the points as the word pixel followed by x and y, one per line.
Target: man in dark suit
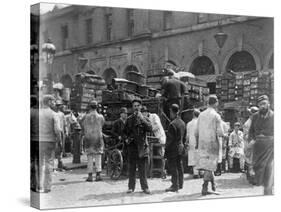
pixel 135 130
pixel 174 148
pixel 173 90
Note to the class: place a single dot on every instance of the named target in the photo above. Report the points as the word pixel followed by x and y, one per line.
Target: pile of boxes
pixel 86 89
pixel 244 86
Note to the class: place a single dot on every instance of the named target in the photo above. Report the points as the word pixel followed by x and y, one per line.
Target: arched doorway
pixel 241 61
pixel 66 81
pixel 202 65
pixel 108 75
pixel 128 69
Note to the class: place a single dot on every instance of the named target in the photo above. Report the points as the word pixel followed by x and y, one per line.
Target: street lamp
pixel 220 38
pixel 48 51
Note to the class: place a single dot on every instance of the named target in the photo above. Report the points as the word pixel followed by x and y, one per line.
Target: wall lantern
pixel 220 38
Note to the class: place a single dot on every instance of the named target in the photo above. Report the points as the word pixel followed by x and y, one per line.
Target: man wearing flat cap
pixel 135 131
pixel 174 148
pixel 92 124
pixel 261 137
pixel 207 133
pixel 45 132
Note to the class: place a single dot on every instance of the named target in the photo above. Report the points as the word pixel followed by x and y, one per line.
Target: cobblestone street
pixel 70 190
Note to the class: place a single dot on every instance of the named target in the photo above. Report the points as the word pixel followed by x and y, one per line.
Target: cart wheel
pixel 116 164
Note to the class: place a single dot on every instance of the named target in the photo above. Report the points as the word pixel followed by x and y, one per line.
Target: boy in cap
pixel 236 145
pixel 261 137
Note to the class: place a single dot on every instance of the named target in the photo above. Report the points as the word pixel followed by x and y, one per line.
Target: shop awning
pixel 208 78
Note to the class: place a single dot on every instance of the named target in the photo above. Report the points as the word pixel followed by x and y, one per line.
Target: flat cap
pixel 93 103
pixel 123 110
pixel 262 98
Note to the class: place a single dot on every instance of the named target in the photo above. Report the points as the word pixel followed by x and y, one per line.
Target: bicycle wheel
pixel 116 164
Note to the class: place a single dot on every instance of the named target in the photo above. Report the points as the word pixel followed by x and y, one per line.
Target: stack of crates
pixel 244 86
pixel 84 91
pixel 254 87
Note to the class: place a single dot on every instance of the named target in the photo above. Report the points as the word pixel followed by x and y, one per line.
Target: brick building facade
pixel 112 41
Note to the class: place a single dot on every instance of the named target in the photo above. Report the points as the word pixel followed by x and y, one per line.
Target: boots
pixel 98 177
pixel 205 188
pixel 90 177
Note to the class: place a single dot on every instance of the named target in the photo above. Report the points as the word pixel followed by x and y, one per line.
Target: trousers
pixel 141 164
pixel 46 163
pixel 90 166
pixel 176 169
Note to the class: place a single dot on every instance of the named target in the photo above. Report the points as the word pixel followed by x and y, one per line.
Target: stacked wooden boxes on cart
pixel 87 87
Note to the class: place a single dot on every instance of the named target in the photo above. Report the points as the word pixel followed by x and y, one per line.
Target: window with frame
pixel 167 20
pixel 202 18
pixel 108 25
pixel 130 19
pixel 64 33
pixel 89 31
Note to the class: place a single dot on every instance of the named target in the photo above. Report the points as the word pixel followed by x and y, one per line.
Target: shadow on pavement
pixel 69 182
pixel 233 183
pixel 183 197
pixel 118 195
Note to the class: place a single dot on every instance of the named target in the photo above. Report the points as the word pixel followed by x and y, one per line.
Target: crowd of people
pixel 207 140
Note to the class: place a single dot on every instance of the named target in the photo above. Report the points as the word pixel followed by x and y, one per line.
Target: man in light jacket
pixel 208 130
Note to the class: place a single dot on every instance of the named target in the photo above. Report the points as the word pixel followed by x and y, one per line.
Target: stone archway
pixel 246 47
pixel 108 75
pixel 241 61
pixel 202 65
pixel 66 80
pixel 207 53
